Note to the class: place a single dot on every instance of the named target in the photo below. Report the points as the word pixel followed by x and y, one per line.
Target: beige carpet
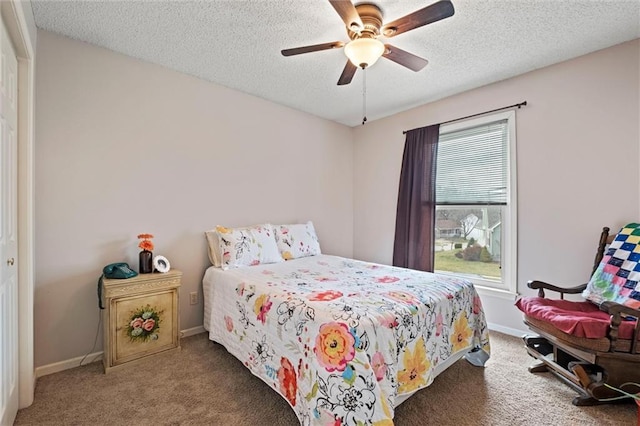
pixel 204 384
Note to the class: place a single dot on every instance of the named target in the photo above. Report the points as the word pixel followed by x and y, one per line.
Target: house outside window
pixel 475 226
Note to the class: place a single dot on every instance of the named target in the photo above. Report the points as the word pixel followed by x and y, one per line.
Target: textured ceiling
pixel 237 44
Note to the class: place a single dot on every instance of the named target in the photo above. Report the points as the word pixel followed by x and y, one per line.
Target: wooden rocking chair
pixel 586 364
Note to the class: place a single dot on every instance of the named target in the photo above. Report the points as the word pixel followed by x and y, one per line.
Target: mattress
pixel 344 341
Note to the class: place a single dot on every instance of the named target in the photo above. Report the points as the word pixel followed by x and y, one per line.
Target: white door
pixel 8 231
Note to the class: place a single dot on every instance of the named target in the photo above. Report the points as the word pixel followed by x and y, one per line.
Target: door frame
pixel 17 27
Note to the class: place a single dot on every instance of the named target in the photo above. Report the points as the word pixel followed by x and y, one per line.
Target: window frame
pixel 509 237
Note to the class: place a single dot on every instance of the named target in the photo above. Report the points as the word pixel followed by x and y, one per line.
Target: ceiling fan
pixel 364 26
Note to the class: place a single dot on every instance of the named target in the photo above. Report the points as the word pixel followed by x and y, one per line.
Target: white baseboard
pixel 192 331
pixel 56 367
pixel 506 330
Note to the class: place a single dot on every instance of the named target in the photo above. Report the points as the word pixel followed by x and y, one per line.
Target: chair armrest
pixel 617 312
pixel 541 286
pixel 613 308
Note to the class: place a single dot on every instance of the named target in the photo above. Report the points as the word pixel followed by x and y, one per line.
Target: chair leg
pixel 538 367
pixel 585 401
pixel 540 347
pixel 539 344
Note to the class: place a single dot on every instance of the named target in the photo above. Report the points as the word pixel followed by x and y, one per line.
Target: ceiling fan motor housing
pixel 371 17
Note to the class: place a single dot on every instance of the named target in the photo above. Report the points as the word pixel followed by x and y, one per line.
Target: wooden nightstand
pixel 140 318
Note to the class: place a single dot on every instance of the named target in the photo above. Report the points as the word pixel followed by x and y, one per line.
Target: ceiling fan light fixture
pixel 364 52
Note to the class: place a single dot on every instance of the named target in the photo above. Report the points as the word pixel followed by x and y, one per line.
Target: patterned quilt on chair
pixel 343 341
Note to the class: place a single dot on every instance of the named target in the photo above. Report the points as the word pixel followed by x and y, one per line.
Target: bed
pixel 343 341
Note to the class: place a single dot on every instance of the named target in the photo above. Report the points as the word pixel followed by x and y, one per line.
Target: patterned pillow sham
pixel 298 240
pixel 617 278
pixel 248 246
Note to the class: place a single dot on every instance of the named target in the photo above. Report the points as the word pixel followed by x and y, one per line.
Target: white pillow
pixel 213 243
pixel 299 240
pixel 249 246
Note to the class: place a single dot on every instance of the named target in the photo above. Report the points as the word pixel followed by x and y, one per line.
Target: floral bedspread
pixel 343 340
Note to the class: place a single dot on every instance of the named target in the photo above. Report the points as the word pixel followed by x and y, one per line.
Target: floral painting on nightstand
pixel 144 325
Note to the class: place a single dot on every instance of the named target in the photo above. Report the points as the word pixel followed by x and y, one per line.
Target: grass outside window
pixel 447 261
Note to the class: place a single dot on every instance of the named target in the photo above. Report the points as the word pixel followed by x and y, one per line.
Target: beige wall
pixel 124 147
pixel 577 159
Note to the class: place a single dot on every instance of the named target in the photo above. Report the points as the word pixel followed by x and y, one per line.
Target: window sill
pixel 486 290
pixel 496 292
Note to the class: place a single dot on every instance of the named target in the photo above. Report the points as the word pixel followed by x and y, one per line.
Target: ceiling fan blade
pixel 347 74
pixel 313 48
pixel 432 13
pixel 404 58
pixel 348 13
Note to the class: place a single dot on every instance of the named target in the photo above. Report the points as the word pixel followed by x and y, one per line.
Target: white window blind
pixel 472 165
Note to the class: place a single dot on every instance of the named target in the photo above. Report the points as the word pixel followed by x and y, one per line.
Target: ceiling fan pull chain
pixel 364 95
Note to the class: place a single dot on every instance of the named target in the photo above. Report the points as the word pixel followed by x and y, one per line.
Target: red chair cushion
pixel 580 319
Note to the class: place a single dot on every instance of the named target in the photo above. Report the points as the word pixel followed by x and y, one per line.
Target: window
pixel 475 229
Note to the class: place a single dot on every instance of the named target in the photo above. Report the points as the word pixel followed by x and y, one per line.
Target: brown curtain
pixel 416 213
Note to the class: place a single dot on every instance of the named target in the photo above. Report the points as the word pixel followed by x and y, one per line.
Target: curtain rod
pixel 521 104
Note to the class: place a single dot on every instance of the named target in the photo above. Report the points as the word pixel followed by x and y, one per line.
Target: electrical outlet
pixel 193 297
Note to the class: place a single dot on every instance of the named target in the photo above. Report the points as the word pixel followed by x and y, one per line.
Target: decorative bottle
pixel 146 256
pixel 146 262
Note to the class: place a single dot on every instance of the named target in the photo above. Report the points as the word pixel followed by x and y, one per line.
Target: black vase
pixel 146 262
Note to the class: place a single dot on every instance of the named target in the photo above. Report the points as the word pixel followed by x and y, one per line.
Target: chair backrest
pixel 605 240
